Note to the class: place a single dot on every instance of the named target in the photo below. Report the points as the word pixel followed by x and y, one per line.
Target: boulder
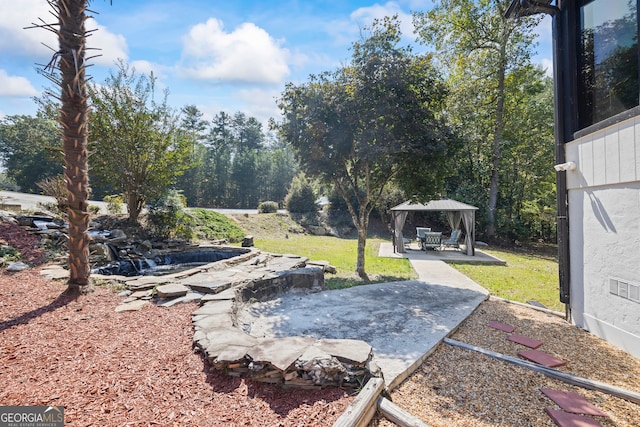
pixel 247 242
pixel 317 230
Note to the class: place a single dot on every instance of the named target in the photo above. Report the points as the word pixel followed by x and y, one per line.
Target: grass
pixel 341 253
pixel 526 277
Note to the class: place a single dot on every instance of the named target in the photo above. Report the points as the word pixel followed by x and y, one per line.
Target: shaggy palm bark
pixel 73 118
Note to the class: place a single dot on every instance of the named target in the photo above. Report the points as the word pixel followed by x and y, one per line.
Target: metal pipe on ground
pixel 629 395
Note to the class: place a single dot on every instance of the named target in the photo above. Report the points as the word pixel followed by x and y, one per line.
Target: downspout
pixel 561 130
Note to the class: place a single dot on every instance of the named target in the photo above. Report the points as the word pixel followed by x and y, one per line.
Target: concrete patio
pixel 451 255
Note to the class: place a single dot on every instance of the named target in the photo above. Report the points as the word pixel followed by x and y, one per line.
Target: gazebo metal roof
pixel 435 205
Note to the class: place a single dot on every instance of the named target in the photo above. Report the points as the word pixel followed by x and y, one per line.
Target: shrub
pixel 57 188
pixel 268 207
pixel 301 198
pixel 168 218
pixel 114 203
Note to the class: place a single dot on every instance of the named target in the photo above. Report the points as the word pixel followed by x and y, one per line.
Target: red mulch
pixel 24 242
pixel 130 369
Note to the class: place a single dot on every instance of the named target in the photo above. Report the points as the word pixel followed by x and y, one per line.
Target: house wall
pixel 604 221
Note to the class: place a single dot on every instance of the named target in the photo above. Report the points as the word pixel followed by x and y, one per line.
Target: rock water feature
pixel 223 280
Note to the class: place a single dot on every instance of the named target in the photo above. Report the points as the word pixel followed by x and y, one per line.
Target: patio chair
pixel 453 241
pixel 420 232
pixel 431 240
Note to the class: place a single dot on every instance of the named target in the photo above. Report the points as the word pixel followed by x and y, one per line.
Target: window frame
pixel 579 128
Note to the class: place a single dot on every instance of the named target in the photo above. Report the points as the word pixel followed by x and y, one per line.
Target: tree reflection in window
pixel 607 59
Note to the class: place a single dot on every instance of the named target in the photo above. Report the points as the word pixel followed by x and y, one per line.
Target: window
pixel 607 59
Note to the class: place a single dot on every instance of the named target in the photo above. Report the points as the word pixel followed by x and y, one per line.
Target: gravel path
pixel 457 387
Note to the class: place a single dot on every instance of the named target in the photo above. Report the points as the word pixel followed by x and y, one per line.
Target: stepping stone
pixel 525 341
pixel 171 290
pixel 132 306
pixel 541 358
pixel 573 402
pixel 565 419
pixel 501 326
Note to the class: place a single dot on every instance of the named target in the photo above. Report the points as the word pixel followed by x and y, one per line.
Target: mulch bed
pixel 130 369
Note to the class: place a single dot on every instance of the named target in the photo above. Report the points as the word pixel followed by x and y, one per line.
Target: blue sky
pixel 220 56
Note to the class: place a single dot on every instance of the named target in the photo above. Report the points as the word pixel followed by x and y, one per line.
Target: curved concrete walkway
pixel 402 321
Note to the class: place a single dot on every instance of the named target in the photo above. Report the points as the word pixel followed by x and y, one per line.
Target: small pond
pixel 164 264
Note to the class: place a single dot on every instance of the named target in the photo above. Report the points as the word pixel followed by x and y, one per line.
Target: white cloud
pixel 349 31
pixel 146 67
pixel 16 40
pixel 15 86
pixel 112 46
pixel 248 54
pixel 15 17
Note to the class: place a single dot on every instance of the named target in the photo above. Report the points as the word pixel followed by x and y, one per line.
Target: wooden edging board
pixel 397 415
pixel 364 406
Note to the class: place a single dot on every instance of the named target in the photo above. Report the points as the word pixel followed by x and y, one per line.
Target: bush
pixel 301 198
pixel 268 207
pixel 57 188
pixel 114 203
pixel 168 218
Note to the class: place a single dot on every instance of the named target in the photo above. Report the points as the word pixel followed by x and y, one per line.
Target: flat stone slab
pixel 141 294
pixel 227 294
pixel 215 307
pixel 280 352
pixel 213 322
pixel 504 327
pixel 573 402
pixel 215 286
pixel 171 290
pixel 565 419
pixel 132 306
pixel 190 296
pixel 55 272
pixel 221 340
pixel 352 350
pixel 232 353
pixel 541 358
pixel 525 341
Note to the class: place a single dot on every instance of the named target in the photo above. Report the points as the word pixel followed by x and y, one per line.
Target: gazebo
pixel 457 212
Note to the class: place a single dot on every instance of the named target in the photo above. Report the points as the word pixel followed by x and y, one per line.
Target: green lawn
pixel 341 253
pixel 525 277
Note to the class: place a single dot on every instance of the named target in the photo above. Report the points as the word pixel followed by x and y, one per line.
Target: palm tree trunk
pixel 73 118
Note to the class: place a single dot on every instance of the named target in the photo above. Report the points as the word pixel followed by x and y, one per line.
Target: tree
pixel 193 180
pixel 69 61
pixel 137 143
pixel 373 121
pixel 30 150
pixel 479 46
